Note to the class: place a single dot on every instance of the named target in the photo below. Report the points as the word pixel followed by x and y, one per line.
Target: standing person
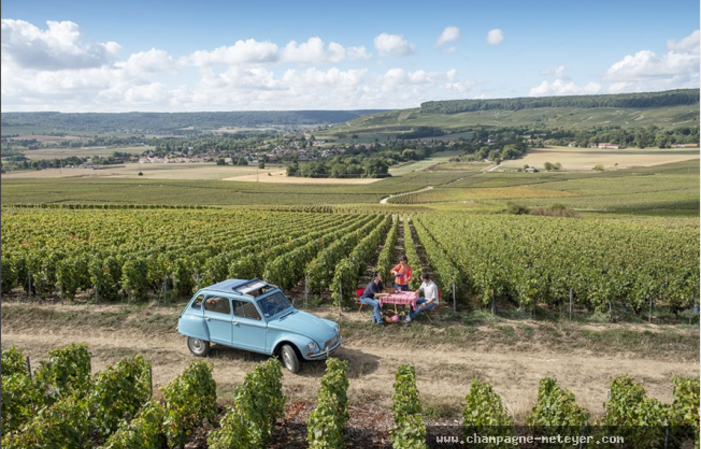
pixel 428 301
pixel 403 275
pixel 372 291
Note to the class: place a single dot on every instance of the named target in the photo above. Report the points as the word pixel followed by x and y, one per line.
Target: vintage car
pixel 256 316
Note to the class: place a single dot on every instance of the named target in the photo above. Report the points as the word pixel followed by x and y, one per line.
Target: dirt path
pixel 444 373
pixel 384 200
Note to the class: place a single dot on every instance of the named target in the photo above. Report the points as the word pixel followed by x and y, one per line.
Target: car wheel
pixel 198 347
pixel 290 359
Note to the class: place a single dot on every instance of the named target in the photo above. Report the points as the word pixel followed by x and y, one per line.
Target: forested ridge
pixel 635 100
pixel 160 122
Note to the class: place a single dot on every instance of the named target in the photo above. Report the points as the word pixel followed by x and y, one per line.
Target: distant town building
pixel 613 146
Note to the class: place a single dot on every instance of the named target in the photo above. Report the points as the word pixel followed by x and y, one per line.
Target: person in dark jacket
pixel 370 295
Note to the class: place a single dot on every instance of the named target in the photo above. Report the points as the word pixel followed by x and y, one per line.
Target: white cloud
pixel 393 45
pixel 449 50
pixel 689 44
pixel 242 52
pixel 495 37
pixel 449 34
pixel 558 73
pixel 313 52
pixel 559 87
pixel 145 62
pixel 60 71
pixel 645 71
pixel 59 47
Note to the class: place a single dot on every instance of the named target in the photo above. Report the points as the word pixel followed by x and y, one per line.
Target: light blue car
pixel 256 316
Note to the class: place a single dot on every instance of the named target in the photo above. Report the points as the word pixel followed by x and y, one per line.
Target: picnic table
pixel 400 297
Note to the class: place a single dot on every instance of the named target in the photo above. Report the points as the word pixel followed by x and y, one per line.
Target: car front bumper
pixel 325 353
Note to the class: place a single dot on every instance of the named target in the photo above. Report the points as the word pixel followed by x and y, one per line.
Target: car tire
pixel 289 358
pixel 198 347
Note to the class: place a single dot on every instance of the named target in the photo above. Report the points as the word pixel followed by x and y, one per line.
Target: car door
pixel 250 330
pixel 217 315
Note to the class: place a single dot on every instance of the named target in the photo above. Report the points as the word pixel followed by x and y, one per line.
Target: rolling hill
pixel 663 109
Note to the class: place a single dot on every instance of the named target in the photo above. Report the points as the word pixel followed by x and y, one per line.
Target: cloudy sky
pixel 92 56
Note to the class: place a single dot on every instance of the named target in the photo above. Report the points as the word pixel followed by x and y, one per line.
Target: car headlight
pixel 337 329
pixel 311 346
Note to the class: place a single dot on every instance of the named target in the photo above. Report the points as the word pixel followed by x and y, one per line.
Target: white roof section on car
pixel 251 287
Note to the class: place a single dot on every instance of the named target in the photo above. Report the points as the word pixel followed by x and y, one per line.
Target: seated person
pixel 428 301
pixel 371 292
pixel 403 275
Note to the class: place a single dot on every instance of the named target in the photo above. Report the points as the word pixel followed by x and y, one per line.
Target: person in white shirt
pixel 428 301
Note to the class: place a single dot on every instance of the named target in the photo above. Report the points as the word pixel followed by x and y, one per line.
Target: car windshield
pixel 274 304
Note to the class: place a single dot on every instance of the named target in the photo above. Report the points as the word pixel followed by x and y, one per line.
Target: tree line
pixel 172 122
pixel 634 100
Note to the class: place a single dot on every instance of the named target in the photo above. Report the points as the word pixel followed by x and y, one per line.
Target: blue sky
pixel 182 56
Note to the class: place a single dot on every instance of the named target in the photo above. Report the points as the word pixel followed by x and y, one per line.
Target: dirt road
pixel 444 372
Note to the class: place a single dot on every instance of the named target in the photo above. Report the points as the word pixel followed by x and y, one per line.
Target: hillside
pixel 663 109
pixel 151 122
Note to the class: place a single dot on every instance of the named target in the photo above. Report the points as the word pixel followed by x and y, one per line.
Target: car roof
pixel 227 286
pixel 233 285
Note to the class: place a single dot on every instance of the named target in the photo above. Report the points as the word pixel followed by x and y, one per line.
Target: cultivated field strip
pixel 539 259
pixel 67 252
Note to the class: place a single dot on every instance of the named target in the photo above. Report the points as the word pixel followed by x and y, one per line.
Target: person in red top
pixel 403 275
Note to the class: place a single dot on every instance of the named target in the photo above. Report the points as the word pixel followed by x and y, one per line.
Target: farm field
pixel 280 177
pixel 61 153
pixel 437 158
pixel 193 171
pixel 587 158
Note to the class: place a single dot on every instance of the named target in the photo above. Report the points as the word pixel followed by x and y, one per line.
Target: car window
pixel 217 304
pixel 197 303
pixel 273 304
pixel 246 309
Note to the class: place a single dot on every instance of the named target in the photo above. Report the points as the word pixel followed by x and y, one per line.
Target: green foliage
pixel 9 279
pixel 412 255
pixel 444 270
pixel 183 279
pixel 531 260
pixel 320 271
pixel 13 362
pixel 684 411
pixel 326 421
pixel 411 430
pixel 556 407
pixel 348 271
pixel 118 393
pixel 484 411
pixel 190 398
pixel 65 373
pixel 61 425
pixel 384 260
pixel 21 398
pixel 134 276
pixel 144 431
pixel 258 402
pixel 106 276
pixel 643 418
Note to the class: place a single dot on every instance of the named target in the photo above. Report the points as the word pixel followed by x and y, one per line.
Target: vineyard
pixel 63 404
pixel 534 260
pixel 112 255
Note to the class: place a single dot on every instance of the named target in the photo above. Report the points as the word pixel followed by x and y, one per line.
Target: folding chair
pixel 359 292
pixel 432 310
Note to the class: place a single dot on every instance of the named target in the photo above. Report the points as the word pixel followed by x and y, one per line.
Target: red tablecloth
pixel 400 298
